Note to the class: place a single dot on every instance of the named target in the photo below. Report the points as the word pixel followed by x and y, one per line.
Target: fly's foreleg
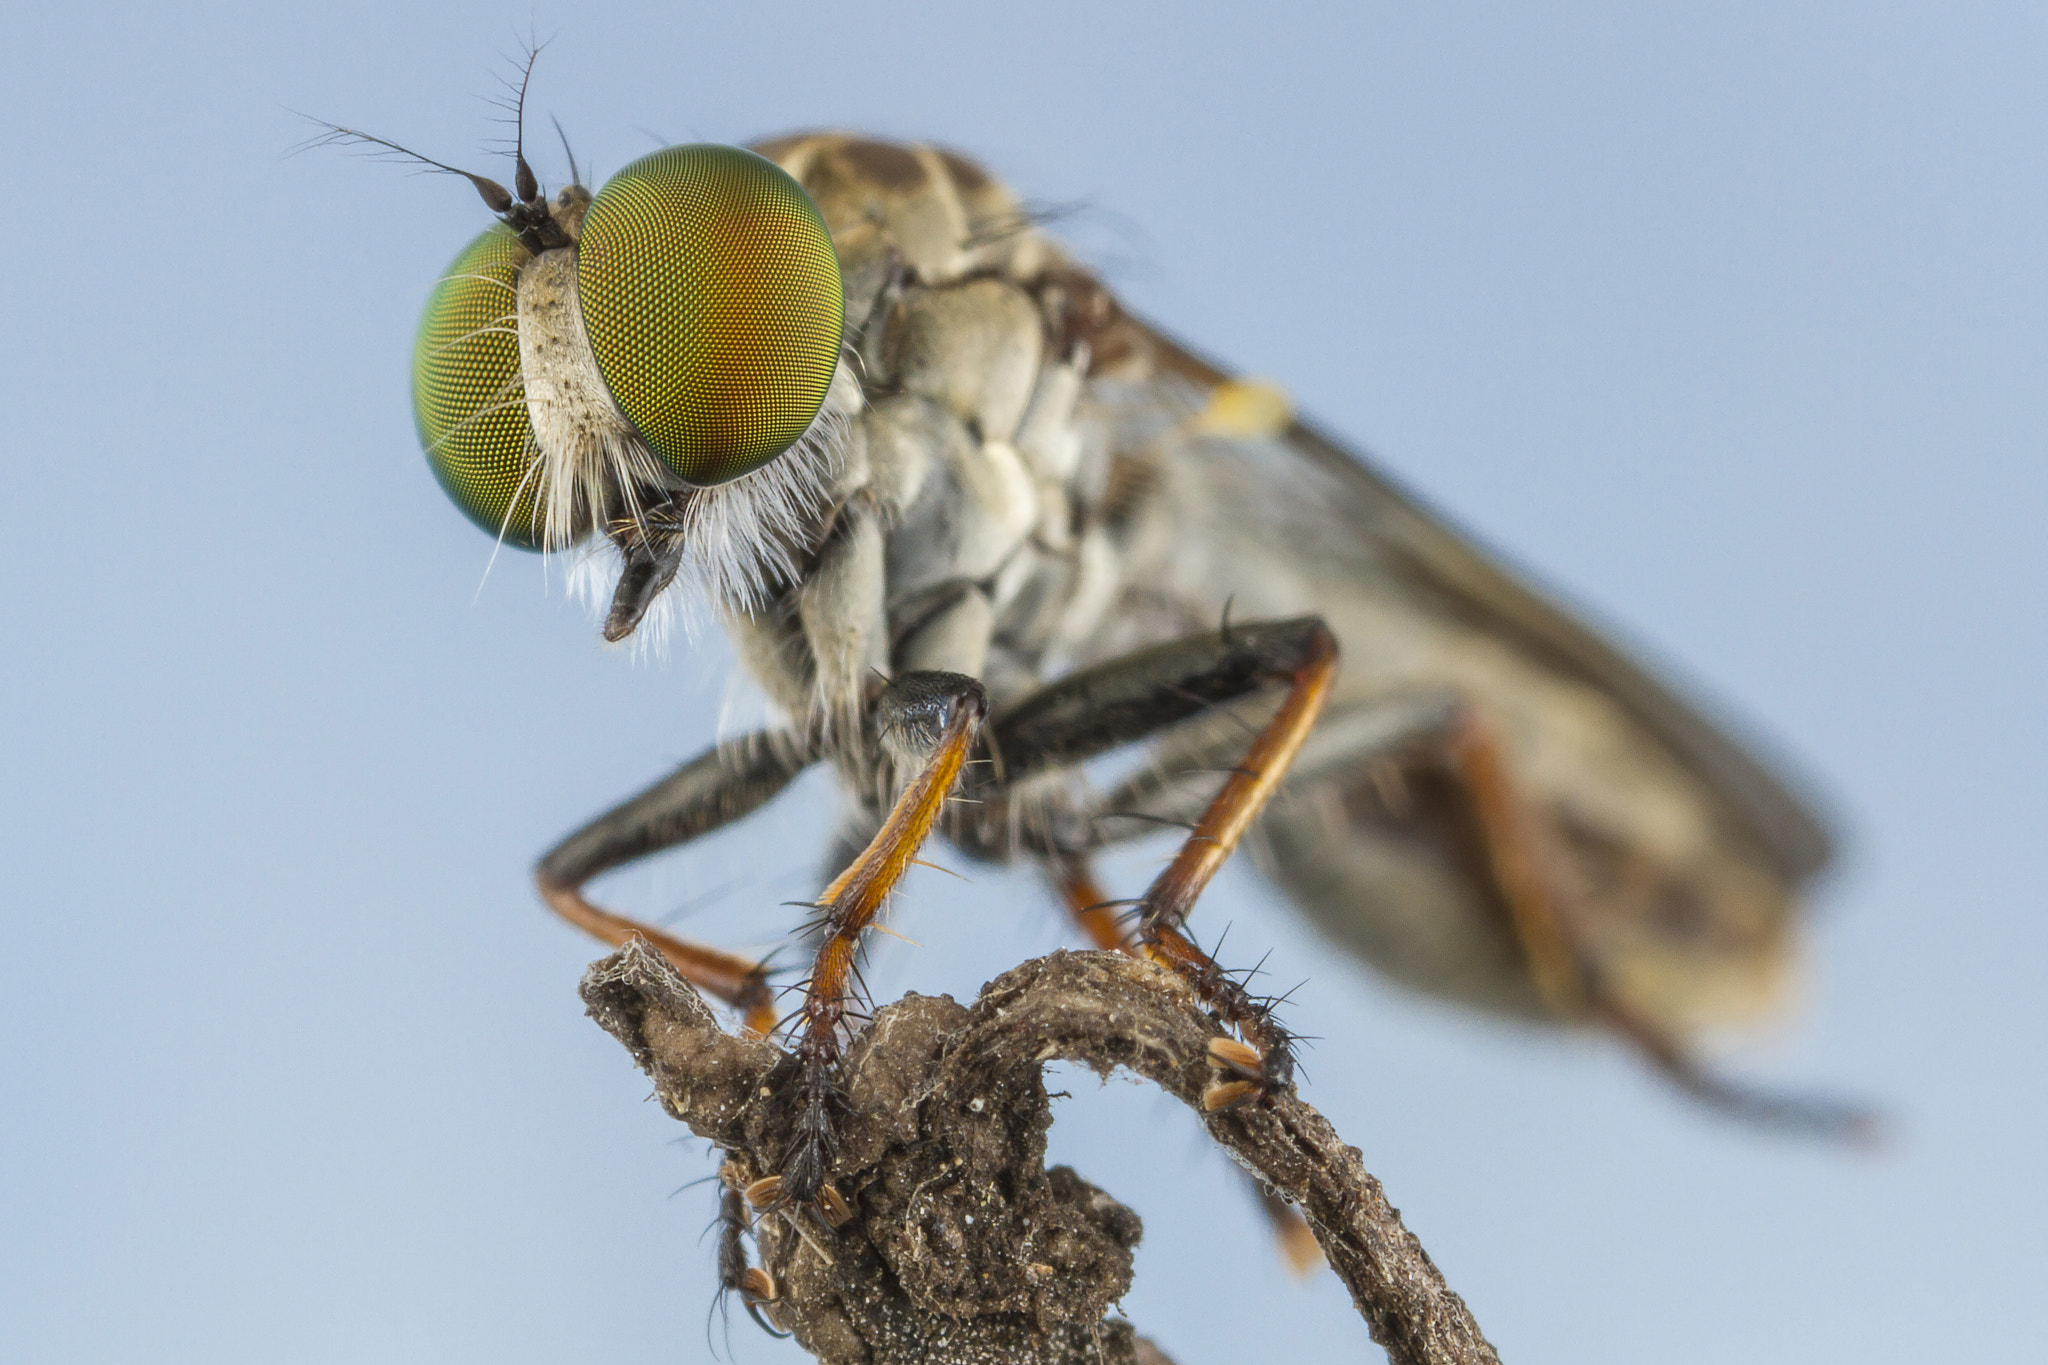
pixel 705 794
pixel 736 1275
pixel 939 711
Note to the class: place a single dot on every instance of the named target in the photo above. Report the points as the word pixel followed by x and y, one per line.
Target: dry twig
pixel 962 1247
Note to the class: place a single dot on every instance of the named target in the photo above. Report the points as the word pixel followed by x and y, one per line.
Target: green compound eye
pixel 712 299
pixel 466 392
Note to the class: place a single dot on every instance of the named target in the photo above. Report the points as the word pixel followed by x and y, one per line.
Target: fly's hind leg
pixel 1526 860
pixel 705 794
pixel 1519 854
pixel 1521 857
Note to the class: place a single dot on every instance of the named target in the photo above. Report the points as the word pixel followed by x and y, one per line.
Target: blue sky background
pixel 1730 325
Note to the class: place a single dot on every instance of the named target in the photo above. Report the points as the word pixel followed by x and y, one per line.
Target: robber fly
pixel 971 525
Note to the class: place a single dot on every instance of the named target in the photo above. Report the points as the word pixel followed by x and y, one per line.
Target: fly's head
pixel 644 368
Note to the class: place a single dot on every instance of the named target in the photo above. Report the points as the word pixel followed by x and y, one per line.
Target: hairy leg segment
pixel 934 720
pixel 944 711
pixel 1131 699
pixel 705 794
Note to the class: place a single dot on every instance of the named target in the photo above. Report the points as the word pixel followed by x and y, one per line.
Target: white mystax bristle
pixel 739 540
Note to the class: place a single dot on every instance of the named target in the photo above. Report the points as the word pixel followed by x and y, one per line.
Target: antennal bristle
pixel 524 181
pixel 494 194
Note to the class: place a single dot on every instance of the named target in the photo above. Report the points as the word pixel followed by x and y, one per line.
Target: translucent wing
pixel 1681 851
pixel 1442 565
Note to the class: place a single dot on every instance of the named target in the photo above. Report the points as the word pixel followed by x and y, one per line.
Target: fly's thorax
pixel 923 208
pixel 970 456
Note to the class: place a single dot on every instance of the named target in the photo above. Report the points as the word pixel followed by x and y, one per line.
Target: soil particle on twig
pixel 960 1245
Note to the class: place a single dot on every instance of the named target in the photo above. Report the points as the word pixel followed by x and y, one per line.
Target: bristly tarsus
pixel 736 1275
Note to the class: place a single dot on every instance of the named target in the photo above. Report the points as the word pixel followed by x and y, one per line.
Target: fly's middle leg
pixel 1091 909
pixel 1308 664
pixel 1436 761
pixel 1133 698
pixel 1102 920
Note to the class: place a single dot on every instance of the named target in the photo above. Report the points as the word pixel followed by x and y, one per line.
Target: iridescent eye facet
pixel 466 391
pixel 712 299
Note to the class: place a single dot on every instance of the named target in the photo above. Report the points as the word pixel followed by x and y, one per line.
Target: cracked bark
pixel 962 1246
